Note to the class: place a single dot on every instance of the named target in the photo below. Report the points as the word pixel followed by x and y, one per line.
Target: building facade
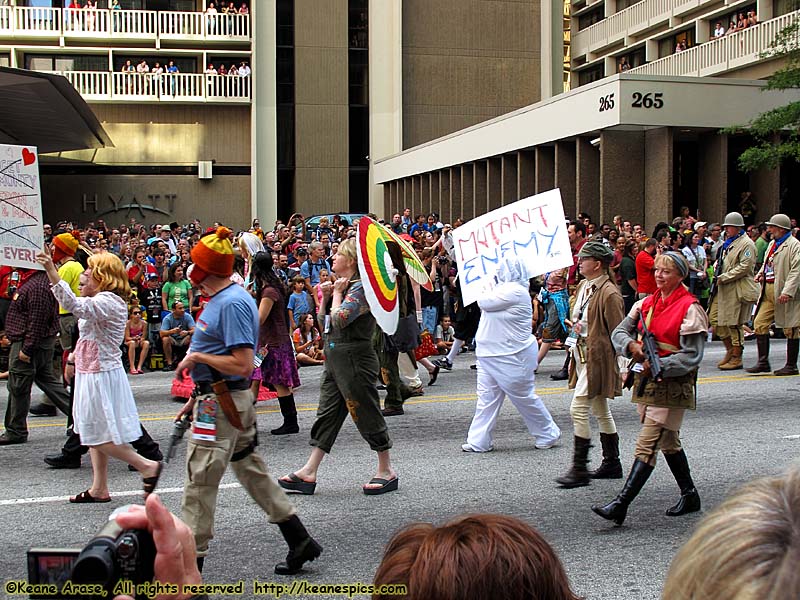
pixel 653 81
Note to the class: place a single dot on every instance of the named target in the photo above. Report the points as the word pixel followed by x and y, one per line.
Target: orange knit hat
pixel 66 244
pixel 213 255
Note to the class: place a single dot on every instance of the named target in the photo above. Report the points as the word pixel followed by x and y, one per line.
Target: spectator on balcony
pixel 719 30
pixel 173 70
pixel 243 10
pixel 234 70
pixel 156 72
pixel 623 65
pixel 731 28
pixel 143 85
pixel 91 16
pixel 211 12
pixel 244 69
pixel 222 70
pixel 752 19
pixel 741 22
pixel 211 73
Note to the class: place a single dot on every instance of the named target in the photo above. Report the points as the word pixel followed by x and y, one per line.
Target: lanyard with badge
pixel 572 339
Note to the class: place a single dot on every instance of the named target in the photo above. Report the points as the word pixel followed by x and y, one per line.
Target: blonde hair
pixel 748 548
pixel 347 248
pixel 108 270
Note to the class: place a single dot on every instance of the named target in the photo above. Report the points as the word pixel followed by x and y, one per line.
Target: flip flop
pixel 149 483
pixel 387 485
pixel 296 484
pixel 86 498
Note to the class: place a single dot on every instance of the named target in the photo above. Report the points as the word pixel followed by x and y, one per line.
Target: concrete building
pixel 333 85
pixel 637 135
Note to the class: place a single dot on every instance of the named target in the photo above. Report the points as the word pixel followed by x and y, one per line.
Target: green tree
pixel 777 131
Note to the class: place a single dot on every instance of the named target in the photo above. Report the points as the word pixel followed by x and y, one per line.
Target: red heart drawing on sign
pixel 28 157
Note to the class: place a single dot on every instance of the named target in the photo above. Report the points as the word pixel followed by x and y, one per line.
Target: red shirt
pixel 645 266
pixel 572 278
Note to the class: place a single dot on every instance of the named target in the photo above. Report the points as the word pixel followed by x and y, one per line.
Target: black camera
pixel 115 561
pixel 441 259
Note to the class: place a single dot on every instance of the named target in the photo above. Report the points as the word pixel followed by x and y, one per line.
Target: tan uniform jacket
pixel 786 264
pixel 737 290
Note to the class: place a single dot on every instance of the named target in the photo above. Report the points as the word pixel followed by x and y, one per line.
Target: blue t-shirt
pixel 298 304
pixel 229 321
pixel 311 270
pixel 170 322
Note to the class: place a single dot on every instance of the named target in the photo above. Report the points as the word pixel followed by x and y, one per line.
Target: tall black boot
pixel 563 374
pixel 617 509
pixel 762 366
pixel 610 468
pixel 690 499
pixel 200 562
pixel 792 350
pixel 147 447
pixel 577 476
pixel 289 412
pixel 302 547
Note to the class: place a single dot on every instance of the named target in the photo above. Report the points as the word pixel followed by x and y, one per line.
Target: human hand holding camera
pixel 176 556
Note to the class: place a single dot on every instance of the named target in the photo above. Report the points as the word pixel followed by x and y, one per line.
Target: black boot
pixel 690 499
pixel 792 350
pixel 617 509
pixel 289 412
pixel 610 468
pixel 762 366
pixel 302 547
pixel 146 447
pixel 200 561
pixel 577 476
pixel 563 374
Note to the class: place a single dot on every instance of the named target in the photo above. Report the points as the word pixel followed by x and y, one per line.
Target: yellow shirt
pixel 70 272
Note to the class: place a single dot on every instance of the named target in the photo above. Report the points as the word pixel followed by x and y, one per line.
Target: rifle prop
pixel 650 349
pixel 178 430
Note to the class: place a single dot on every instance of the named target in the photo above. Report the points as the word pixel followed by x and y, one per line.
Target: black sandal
pixel 149 483
pixel 86 498
pixel 296 484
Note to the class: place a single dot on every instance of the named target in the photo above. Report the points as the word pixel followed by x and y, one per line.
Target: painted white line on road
pixel 791 437
pixel 136 493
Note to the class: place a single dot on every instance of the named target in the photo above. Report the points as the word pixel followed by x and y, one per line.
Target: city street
pixel 745 427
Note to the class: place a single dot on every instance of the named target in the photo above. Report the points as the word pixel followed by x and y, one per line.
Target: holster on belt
pixel 226 403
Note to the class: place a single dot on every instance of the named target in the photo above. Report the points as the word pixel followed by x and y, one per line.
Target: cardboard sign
pixel 21 234
pixel 533 229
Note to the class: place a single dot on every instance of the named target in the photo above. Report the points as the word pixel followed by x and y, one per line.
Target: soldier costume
pixel 734 290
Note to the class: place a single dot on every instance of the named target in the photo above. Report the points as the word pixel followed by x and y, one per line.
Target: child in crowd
pixel 306 342
pixel 444 335
pixel 299 302
pixel 324 275
pixel 150 299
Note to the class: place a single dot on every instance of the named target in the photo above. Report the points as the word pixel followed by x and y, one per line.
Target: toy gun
pixel 650 349
pixel 178 430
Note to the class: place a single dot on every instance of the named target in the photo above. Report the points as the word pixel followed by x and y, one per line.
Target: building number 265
pixel 649 100
pixel 606 102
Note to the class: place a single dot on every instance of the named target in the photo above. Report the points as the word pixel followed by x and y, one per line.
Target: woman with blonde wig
pixel 104 409
pixel 748 548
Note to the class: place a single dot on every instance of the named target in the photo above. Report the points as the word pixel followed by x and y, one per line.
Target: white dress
pixel 104 409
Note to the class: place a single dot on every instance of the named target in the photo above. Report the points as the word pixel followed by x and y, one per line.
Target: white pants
pixel 408 373
pixel 512 376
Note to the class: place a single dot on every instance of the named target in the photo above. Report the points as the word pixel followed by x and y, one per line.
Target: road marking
pixel 129 493
pixel 438 399
pixel 791 437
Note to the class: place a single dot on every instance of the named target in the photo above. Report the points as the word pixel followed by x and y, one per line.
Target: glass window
pixel 359 190
pixel 4 60
pixel 623 4
pixel 284 18
pixel 590 18
pixel 359 136
pixel 590 75
pixel 70 62
pixel 677 43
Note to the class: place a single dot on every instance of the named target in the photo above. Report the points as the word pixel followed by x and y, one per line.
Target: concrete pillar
pixel 622 167
pixel 467 191
pixel 766 187
pixel 587 169
pixel 264 128
pixel 444 192
pixel 713 182
pixel 565 175
pixel 426 196
pixel 526 173
pixel 456 192
pixel 386 84
pixel 509 192
pixel 494 182
pixel 479 186
pixel 658 177
pixel 552 47
pixel 545 177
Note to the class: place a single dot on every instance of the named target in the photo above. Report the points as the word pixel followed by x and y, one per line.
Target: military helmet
pixel 733 219
pixel 782 221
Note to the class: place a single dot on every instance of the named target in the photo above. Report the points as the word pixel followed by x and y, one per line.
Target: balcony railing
pixel 631 20
pixel 101 86
pixel 102 24
pixel 733 51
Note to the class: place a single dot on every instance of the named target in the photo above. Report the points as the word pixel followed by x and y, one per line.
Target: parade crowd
pixel 239 311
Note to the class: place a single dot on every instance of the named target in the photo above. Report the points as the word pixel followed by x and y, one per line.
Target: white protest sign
pixel 533 229
pixel 21 233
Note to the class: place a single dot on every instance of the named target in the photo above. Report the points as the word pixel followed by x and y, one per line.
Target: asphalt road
pixel 745 427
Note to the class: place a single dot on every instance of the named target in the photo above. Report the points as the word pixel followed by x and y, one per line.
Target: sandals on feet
pixel 86 498
pixel 149 483
pixel 296 484
pixel 386 485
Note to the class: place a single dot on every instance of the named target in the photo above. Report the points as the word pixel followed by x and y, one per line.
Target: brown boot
pixel 762 366
pixel 736 360
pixel 728 351
pixel 792 350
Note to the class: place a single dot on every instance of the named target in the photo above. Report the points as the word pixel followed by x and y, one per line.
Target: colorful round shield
pixel 378 275
pixel 414 266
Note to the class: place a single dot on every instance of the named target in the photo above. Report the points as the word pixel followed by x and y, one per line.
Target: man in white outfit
pixel 506 351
